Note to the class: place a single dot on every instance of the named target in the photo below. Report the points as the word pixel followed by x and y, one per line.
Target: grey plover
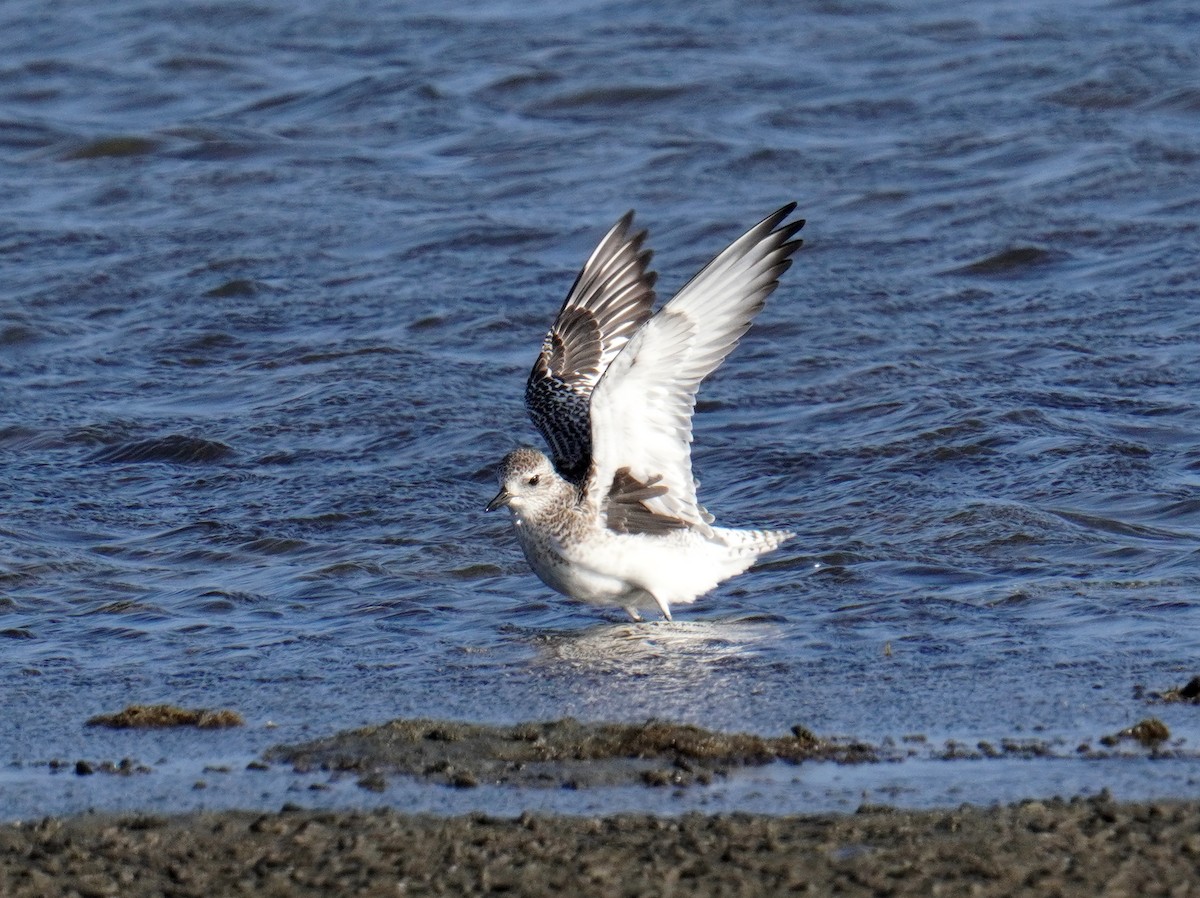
pixel 614 519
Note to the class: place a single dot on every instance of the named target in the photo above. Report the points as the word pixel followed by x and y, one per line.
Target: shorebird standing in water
pixel 614 520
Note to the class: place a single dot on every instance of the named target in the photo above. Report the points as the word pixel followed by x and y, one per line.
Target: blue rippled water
pixel 273 275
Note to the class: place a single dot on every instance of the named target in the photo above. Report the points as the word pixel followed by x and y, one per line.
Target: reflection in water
pixel 674 649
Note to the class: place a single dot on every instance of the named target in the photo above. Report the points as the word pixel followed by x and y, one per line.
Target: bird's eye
pixel 533 481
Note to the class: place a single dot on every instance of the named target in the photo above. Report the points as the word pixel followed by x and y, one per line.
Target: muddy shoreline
pixel 1077 847
pixel 1068 848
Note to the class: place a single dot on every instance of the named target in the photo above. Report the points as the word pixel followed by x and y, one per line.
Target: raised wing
pixel 641 410
pixel 609 301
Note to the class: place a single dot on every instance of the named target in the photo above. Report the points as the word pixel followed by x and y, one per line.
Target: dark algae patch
pixel 1189 693
pixel 563 753
pixel 117 146
pixel 570 754
pixel 1150 732
pixel 124 767
pixel 153 717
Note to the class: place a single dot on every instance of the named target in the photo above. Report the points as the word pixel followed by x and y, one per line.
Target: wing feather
pixel 641 408
pixel 610 299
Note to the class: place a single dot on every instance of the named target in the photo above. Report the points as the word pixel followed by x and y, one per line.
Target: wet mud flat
pixel 568 754
pixel 1080 847
pixel 1069 848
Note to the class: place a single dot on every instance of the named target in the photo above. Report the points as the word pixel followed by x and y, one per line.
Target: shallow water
pixel 274 274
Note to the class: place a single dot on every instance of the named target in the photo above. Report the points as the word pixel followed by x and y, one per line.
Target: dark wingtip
pixel 624 229
pixel 776 218
pixel 781 213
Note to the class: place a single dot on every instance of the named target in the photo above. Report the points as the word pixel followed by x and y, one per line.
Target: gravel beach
pixel 1092 847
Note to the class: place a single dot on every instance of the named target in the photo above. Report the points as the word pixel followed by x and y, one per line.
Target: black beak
pixel 502 498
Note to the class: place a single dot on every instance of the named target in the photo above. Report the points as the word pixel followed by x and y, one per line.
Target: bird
pixel 611 517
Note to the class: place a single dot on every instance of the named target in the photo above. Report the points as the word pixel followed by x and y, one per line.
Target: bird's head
pixel 528 482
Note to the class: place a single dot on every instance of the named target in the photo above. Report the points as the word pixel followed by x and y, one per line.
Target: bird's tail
pixel 751 543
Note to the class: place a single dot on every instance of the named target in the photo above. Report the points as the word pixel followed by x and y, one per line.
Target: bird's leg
pixel 662 604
